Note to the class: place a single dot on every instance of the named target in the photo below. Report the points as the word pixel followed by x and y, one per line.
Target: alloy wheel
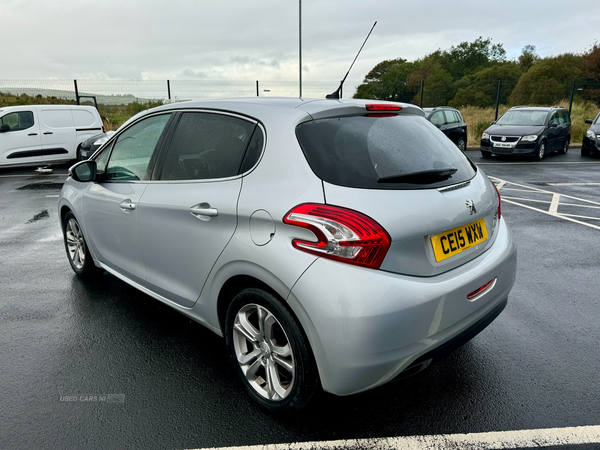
pixel 263 352
pixel 75 244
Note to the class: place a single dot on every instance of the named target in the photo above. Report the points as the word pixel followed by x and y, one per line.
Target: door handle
pixel 203 211
pixel 48 132
pixel 32 134
pixel 127 205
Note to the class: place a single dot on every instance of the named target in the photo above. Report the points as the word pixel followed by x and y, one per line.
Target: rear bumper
pixel 366 327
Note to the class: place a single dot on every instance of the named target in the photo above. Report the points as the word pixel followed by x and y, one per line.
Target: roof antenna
pixel 336 94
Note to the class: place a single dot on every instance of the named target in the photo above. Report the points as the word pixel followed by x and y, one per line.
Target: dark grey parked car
pixel 526 130
pixel 89 146
pixel 591 139
pixel 450 121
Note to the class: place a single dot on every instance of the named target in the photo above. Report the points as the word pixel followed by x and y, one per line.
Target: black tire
pixel 565 147
pixel 462 144
pixel 299 384
pixel 541 151
pixel 486 154
pixel 77 250
pixel 584 151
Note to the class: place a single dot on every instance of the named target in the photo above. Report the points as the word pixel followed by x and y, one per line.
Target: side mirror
pixel 83 171
pixel 4 128
pixel 552 125
pixel 589 121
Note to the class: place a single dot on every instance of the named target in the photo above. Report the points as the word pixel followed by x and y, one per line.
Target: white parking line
pixel 554 202
pixel 495 440
pixel 537 163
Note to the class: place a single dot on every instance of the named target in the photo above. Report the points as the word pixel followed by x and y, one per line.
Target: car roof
pixel 300 109
pixel 538 108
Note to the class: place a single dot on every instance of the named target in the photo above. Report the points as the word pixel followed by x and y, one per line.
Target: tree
pixel 468 57
pixel 371 87
pixel 591 71
pixel 480 88
pixel 548 81
pixel 528 57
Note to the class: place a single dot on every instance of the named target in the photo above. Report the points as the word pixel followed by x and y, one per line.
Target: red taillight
pixel 482 290
pixel 499 201
pixel 383 107
pixel 342 234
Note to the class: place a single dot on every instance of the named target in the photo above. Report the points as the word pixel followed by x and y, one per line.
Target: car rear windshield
pixel 525 117
pixel 373 152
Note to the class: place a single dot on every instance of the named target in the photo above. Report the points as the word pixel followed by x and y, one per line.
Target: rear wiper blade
pixel 422 177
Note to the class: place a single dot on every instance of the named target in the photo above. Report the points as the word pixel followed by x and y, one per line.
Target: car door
pixel 189 214
pixel 439 120
pixel 58 132
pixel 111 205
pixel 21 143
pixel 564 127
pixel 554 132
pixel 451 129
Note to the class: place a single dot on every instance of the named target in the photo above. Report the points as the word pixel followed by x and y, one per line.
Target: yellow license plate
pixel 452 242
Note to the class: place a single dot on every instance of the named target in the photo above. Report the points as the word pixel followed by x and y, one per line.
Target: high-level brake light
pixel 342 234
pixel 383 107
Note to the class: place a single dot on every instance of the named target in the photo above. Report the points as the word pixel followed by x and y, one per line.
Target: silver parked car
pixel 333 243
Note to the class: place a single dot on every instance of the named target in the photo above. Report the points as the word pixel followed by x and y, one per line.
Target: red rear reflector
pixel 383 107
pixel 342 234
pixel 482 290
pixel 499 201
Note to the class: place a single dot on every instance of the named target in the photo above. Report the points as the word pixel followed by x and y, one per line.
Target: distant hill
pixel 117 100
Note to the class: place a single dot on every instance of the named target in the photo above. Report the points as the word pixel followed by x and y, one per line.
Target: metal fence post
pixel 572 95
pixel 422 87
pixel 498 98
pixel 76 91
pixel 257 89
pixel 169 89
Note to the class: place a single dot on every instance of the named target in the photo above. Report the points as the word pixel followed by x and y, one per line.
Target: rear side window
pixel 359 151
pixel 18 121
pixel 207 146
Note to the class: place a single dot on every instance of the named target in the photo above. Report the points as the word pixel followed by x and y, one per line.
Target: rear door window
pixel 450 117
pixel 207 146
pixel 359 151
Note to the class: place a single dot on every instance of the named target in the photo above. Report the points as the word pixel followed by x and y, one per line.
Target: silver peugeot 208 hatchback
pixel 333 243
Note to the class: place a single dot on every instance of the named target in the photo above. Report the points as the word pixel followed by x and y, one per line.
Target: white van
pixel 46 133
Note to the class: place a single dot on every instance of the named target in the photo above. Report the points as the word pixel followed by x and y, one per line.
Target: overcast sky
pixel 258 39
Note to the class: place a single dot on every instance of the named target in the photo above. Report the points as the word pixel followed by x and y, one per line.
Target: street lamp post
pixel 300 41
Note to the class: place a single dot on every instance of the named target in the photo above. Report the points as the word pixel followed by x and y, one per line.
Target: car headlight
pixel 530 138
pixel 101 141
pixel 589 133
pixel 485 136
